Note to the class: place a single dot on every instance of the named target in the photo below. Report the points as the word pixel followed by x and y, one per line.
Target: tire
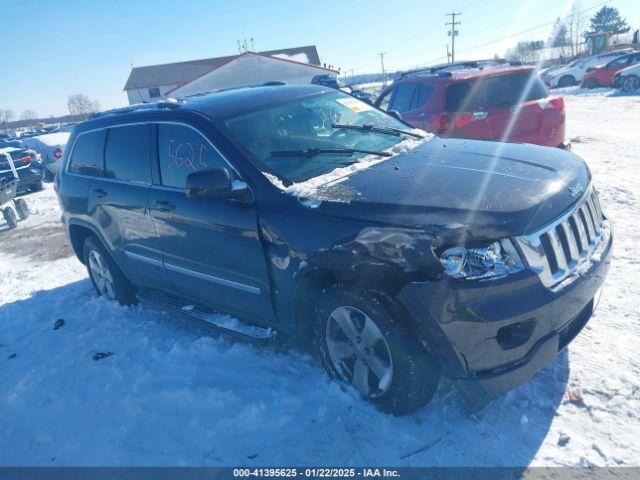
pixel 106 276
pixel 400 378
pixel 591 83
pixel 631 83
pixel 10 217
pixel 22 208
pixel 566 81
pixel 36 187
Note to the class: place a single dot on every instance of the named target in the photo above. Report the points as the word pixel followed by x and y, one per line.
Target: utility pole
pixel 384 74
pixel 453 33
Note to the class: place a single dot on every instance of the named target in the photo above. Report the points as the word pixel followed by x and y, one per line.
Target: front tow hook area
pixel 481 389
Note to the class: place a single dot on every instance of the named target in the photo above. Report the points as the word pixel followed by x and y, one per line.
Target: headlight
pixel 497 259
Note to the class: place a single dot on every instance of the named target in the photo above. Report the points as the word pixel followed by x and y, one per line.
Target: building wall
pixel 251 69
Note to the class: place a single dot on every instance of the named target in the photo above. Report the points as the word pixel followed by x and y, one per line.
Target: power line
pixel 453 33
pixel 507 36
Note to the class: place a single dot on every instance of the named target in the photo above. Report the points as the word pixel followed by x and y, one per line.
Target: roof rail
pixel 445 69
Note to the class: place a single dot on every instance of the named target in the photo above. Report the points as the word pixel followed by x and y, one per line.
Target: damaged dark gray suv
pixel 306 213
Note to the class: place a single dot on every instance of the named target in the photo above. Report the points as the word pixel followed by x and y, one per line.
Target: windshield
pixel 312 123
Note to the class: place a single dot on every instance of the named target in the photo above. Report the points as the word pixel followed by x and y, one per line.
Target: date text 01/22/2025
pixel 316 472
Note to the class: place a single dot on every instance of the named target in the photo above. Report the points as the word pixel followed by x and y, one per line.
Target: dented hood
pixel 487 189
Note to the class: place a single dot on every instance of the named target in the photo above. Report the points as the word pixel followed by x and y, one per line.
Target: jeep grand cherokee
pixel 304 211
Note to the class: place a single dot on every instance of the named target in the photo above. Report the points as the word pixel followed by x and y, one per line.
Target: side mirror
pixel 395 113
pixel 215 183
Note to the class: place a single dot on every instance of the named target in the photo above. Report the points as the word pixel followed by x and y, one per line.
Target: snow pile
pixel 298 57
pixel 129 386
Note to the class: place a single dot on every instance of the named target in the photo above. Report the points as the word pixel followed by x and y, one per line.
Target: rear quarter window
pixel 87 157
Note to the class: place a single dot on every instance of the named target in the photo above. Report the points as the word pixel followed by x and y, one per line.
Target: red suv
pixel 503 103
pixel 603 76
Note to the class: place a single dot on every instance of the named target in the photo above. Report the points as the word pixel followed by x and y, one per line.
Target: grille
pixel 567 246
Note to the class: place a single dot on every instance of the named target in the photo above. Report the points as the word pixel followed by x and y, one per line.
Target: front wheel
pixel 566 81
pixel 10 217
pixel 591 83
pixel 364 345
pixel 631 83
pixel 36 187
pixel 105 275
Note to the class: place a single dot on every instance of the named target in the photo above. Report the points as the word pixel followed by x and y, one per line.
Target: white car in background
pixel 51 147
pixel 572 74
pixel 628 79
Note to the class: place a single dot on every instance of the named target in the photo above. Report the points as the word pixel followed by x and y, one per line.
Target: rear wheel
pixel 591 83
pixel 10 217
pixel 566 81
pixel 362 344
pixel 631 83
pixel 22 208
pixel 105 275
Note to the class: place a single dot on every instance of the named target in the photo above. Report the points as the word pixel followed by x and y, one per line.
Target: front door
pixel 212 252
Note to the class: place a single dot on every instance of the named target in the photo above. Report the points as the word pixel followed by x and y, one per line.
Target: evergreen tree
pixel 608 19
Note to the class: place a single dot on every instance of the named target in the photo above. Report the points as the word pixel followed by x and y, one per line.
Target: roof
pixel 469 73
pixel 184 72
pixel 221 104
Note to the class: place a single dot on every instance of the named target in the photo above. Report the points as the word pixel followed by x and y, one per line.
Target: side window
pixel 422 94
pixel 182 150
pixel 154 92
pixel 87 157
pixel 127 154
pixel 403 97
pixel 384 102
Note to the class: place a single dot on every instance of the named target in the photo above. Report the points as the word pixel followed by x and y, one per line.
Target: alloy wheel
pixel 359 352
pixel 101 274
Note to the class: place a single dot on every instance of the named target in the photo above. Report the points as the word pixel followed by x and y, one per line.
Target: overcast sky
pixel 55 48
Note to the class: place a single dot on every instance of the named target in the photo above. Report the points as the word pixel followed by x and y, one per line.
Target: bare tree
pixel 5 117
pixel 29 116
pixel 575 28
pixel 82 105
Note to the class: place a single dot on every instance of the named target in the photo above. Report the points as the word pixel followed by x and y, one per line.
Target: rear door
pixel 119 203
pixel 212 251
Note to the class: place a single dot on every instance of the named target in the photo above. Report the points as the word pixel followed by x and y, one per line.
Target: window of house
pixel 127 154
pixel 182 150
pixel 87 157
pixel 154 92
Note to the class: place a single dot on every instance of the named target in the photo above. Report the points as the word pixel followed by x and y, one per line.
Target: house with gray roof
pixel 290 65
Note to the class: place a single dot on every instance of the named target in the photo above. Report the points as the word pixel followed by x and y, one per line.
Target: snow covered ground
pixel 128 386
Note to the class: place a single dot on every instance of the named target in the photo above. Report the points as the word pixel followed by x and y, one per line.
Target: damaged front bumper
pixel 492 335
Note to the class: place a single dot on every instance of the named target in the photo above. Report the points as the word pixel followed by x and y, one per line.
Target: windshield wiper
pixel 312 152
pixel 372 128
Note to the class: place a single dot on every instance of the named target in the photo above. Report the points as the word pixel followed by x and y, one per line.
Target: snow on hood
pixel 309 188
pixel 50 139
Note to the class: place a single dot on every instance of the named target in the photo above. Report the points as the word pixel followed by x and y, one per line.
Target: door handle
pixel 98 192
pixel 163 206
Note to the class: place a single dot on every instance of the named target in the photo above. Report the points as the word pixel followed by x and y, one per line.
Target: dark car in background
pixel 304 211
pixel 502 103
pixel 28 166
